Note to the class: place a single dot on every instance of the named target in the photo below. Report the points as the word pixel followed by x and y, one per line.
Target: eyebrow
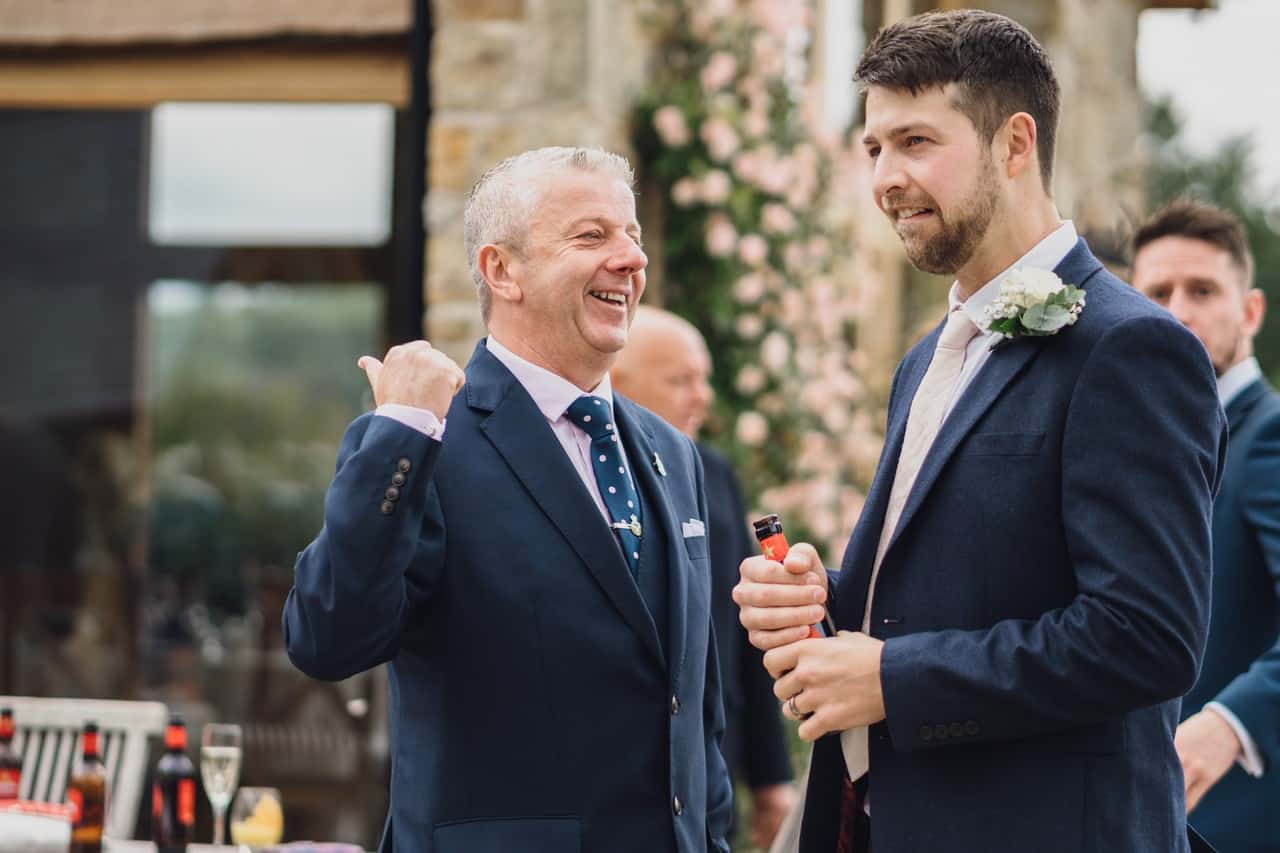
pixel 913 129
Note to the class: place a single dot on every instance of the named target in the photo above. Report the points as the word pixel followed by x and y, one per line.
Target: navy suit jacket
pixel 755 744
pixel 534 706
pixel 1045 598
pixel 1242 661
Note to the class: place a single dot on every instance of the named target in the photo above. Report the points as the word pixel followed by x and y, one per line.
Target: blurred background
pixel 208 211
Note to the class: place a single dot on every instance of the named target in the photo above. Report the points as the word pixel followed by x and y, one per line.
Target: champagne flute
pixel 220 770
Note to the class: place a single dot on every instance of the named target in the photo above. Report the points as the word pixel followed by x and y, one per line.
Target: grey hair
pixel 501 203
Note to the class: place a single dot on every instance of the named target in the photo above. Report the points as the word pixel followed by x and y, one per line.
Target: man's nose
pixel 1180 307
pixel 628 258
pixel 887 178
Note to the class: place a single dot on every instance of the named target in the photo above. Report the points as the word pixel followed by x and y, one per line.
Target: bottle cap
pixel 767 526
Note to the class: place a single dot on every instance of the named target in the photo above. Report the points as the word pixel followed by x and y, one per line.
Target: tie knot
pixel 591 415
pixel 958 331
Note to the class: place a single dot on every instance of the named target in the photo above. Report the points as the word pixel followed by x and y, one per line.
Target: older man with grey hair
pixel 528 551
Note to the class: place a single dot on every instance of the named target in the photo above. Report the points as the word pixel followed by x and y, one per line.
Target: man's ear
pixel 1255 310
pixel 1018 139
pixel 496 267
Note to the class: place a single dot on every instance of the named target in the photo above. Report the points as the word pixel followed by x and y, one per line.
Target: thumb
pixel 372 368
pixel 801 558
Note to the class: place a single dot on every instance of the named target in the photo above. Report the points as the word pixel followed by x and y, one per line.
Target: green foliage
pixel 251 391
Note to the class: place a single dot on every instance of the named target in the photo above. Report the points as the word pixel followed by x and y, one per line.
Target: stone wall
pixel 506 76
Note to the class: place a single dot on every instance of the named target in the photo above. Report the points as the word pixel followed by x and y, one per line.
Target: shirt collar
pixel 1237 378
pixel 551 393
pixel 1045 255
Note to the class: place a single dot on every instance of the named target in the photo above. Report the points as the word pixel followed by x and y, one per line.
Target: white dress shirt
pixel 1046 255
pixel 552 394
pixel 1230 384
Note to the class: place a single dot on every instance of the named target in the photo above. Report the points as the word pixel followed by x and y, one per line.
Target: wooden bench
pixel 48 739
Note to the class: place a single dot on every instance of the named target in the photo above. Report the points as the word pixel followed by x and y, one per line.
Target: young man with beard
pixel 1194 259
pixel 527 552
pixel 1025 596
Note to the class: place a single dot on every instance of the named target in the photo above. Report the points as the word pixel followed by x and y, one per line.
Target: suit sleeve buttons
pixel 392 494
pixel 926 733
pixel 971 728
pixel 404 465
pixel 387 507
pixel 398 479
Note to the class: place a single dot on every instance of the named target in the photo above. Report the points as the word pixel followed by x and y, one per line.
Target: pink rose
pixel 714 187
pixel 746 165
pixel 684 192
pixel 748 326
pixel 777 219
pixel 720 138
pixel 753 250
pixel 752 429
pixel 718 72
pixel 750 287
pixel 774 352
pixel 671 126
pixel 750 380
pixel 722 237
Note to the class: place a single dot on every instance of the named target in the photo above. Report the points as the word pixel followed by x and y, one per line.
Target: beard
pixel 960 232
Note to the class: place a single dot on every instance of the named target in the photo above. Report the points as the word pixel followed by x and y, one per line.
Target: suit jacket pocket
pixel 1004 443
pixel 517 834
pixel 696 546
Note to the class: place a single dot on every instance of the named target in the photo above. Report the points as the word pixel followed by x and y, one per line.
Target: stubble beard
pixel 956 241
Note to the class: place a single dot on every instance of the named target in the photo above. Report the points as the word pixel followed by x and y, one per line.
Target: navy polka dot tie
pixel 594 417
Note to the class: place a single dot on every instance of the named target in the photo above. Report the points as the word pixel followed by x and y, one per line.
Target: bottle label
pixel 774 547
pixel 175 737
pixel 157 804
pixel 75 799
pixel 187 802
pixel 90 743
pixel 9 783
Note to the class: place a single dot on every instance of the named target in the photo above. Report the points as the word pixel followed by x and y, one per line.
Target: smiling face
pixel 576 278
pixel 934 177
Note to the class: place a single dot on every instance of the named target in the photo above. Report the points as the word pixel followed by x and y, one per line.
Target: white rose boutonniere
pixel 1032 303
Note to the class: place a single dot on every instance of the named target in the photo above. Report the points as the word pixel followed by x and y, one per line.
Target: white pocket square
pixel 693 527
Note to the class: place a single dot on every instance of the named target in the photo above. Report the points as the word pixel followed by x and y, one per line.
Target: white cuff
pixel 422 420
pixel 1249 759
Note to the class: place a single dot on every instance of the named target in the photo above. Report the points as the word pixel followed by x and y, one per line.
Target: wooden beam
pixel 1178 4
pixel 139 79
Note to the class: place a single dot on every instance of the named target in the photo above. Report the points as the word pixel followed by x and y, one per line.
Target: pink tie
pixel 923 422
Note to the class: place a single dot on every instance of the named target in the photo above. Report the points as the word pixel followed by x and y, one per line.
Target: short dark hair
pixel 1200 220
pixel 998 67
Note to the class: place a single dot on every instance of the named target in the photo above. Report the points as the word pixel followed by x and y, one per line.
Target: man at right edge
pixel 1025 596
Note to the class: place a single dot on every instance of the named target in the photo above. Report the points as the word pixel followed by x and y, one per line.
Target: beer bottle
pixel 173 793
pixel 10 760
pixel 87 795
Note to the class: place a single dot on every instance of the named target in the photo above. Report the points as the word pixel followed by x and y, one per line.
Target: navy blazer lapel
pixel 1241 404
pixel 1006 362
pixel 860 553
pixel 519 432
pixel 641 456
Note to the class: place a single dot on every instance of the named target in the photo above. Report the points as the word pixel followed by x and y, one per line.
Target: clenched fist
pixel 414 374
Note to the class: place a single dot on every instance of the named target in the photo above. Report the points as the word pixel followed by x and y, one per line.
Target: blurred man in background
pixel 1194 259
pixel 665 368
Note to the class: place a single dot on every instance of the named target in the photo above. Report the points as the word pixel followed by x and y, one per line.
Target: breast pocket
pixel 528 835
pixel 696 546
pixel 1004 443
